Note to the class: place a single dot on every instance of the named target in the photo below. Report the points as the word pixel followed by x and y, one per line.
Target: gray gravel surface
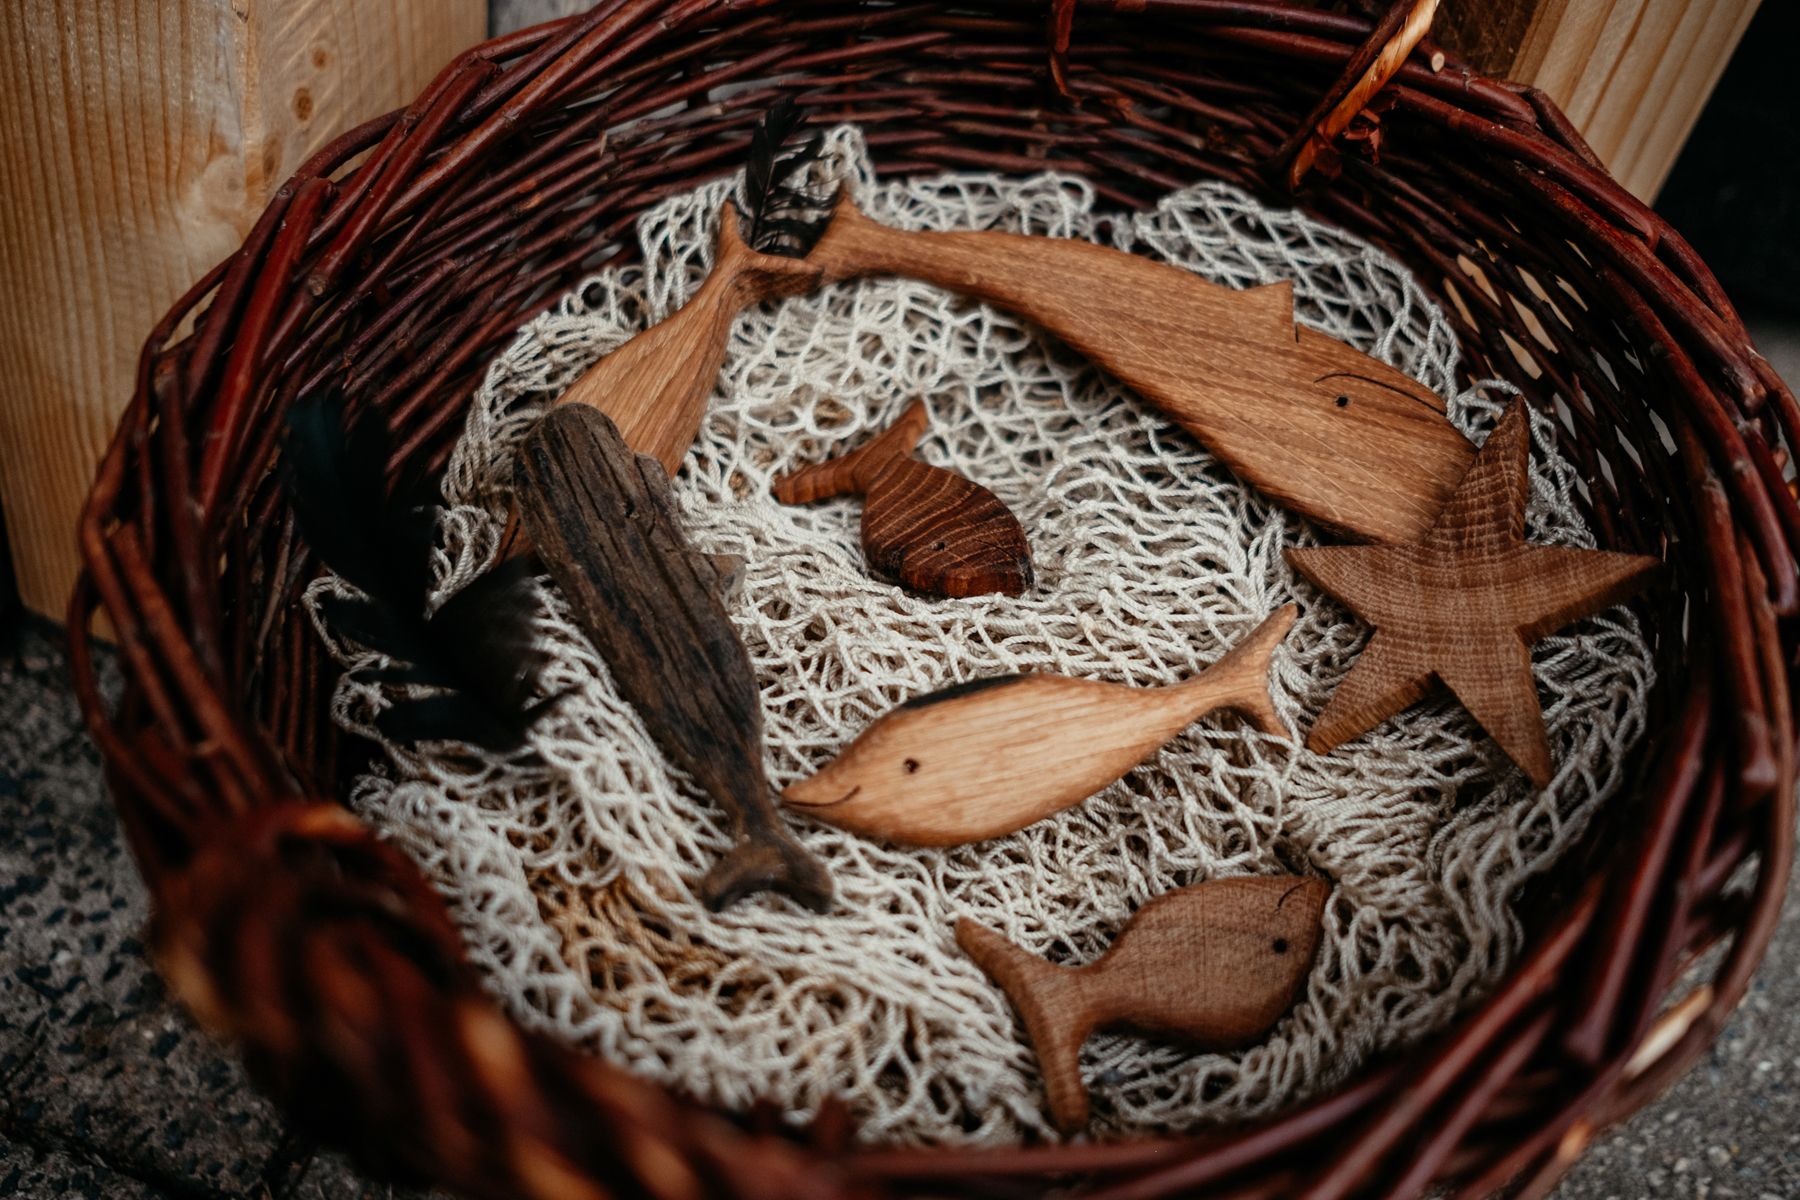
pixel 106 1089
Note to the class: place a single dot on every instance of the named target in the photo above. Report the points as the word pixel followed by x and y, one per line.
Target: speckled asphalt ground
pixel 107 1090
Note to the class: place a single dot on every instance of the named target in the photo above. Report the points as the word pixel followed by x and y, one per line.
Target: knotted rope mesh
pixel 572 870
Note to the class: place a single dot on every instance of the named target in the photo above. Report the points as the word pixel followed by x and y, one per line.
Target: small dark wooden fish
pixel 981 759
pixel 605 524
pixel 929 528
pixel 1214 965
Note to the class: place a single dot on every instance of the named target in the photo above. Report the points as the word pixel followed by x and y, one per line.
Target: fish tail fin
pixel 1057 1012
pixel 851 473
pixel 769 861
pixel 1240 680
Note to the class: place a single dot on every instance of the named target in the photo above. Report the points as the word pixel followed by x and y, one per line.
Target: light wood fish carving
pixel 929 528
pixel 1214 965
pixel 985 758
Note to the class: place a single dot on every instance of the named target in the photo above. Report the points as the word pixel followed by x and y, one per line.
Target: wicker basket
pixel 406 252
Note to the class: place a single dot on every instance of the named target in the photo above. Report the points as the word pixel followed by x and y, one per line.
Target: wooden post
pixel 1631 74
pixel 140 140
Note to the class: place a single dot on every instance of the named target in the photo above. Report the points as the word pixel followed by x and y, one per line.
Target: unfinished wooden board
pixel 984 758
pixel 929 528
pixel 1214 965
pixel 1462 605
pixel 138 143
pixel 1632 75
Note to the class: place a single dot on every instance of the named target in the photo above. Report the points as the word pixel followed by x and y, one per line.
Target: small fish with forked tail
pixel 1214 965
pixel 985 758
pixel 929 528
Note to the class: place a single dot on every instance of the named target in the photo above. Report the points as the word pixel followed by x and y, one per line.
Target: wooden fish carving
pixel 1324 429
pixel 606 526
pixel 656 385
pixel 985 758
pixel 1214 965
pixel 929 528
pixel 1328 431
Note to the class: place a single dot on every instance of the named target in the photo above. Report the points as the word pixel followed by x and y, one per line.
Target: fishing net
pixel 573 875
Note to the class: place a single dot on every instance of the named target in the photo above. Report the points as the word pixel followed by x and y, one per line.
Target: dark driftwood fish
pixel 985 758
pixel 929 528
pixel 605 524
pixel 1214 965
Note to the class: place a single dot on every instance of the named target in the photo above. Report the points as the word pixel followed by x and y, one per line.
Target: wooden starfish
pixel 1462 605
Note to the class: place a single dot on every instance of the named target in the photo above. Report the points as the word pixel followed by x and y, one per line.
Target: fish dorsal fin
pixel 853 472
pixel 1273 306
pixel 724 571
pixel 729 569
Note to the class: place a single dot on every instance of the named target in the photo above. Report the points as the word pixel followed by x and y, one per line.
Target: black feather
pixel 779 215
pixel 474 661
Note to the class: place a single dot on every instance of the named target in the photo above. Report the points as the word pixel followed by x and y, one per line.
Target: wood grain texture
pixel 1326 430
pixel 138 143
pixel 606 526
pixel 929 528
pixel 655 387
pixel 982 759
pixel 1462 605
pixel 1632 75
pixel 1214 965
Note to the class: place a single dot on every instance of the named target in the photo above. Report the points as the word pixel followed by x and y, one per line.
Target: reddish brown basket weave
pixel 406 252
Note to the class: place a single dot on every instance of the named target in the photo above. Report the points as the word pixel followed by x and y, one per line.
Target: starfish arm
pixel 1358 577
pixel 1559 585
pixel 1488 507
pixel 1386 678
pixel 1493 680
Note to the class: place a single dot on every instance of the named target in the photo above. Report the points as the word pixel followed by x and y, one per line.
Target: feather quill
pixel 472 665
pixel 779 215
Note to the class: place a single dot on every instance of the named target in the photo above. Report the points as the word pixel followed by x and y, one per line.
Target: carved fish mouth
pixel 843 799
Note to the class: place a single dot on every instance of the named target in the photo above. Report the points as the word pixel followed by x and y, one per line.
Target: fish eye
pixel 1349 383
pixel 1280 946
pixel 940 545
pixel 911 765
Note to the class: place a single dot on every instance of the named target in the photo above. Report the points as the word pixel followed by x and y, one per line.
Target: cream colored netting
pixel 572 879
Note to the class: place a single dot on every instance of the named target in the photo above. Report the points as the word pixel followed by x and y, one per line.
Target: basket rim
pixel 238 853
